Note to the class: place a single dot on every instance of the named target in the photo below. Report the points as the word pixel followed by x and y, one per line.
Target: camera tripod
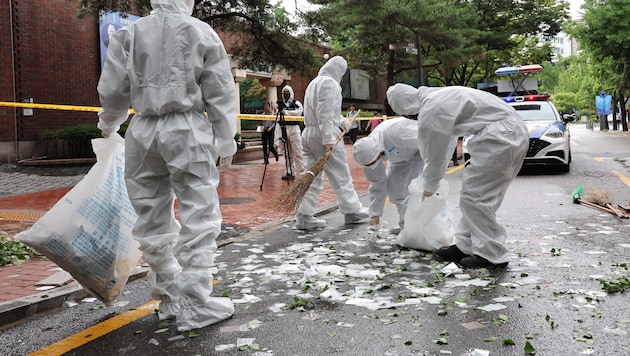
pixel 286 146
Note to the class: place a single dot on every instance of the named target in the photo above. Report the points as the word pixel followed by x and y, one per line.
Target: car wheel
pixel 567 167
pixel 466 156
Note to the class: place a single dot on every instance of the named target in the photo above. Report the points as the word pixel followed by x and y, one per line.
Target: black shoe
pixel 451 254
pixel 266 161
pixel 288 177
pixel 455 163
pixel 276 155
pixel 475 261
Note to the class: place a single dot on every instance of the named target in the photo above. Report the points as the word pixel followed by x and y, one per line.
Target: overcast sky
pixel 575 8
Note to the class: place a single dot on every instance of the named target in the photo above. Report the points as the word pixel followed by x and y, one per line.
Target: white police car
pixel 549 137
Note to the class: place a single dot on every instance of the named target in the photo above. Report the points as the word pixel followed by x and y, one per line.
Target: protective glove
pixel 374 223
pixel 426 194
pixel 226 147
pixel 346 125
pixel 109 126
pixel 109 132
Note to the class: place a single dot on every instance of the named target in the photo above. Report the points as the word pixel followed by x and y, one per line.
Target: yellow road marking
pixel 96 331
pixel 599 159
pixel 455 169
pixel 624 179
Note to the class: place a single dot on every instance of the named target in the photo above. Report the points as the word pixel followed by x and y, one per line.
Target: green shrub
pixel 13 252
pixel 80 131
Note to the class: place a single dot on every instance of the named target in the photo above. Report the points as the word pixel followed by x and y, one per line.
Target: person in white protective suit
pixel 171 67
pixel 322 120
pixel 497 152
pixel 394 141
pixel 291 107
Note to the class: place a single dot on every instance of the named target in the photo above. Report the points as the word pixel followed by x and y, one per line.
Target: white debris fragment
pixel 478 352
pixel 175 338
pixel 473 325
pixel 345 325
pixel 121 303
pixel 278 307
pixel 153 342
pixel 244 341
pixel 88 300
pixel 432 300
pixel 473 282
pixel 252 324
pixel 71 304
pixel 224 347
pixel 492 307
pixel 616 331
pixel 503 299
pixel 450 269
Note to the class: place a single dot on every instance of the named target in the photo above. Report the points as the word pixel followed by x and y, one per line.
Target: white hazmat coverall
pixel 294 133
pixel 497 152
pixel 397 140
pixel 171 67
pixel 322 119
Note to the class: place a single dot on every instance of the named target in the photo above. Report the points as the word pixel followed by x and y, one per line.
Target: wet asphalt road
pixel 345 291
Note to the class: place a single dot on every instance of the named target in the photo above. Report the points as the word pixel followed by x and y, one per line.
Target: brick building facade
pixel 50 56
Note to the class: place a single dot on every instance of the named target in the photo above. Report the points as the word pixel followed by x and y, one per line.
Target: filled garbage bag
pixel 88 231
pixel 428 225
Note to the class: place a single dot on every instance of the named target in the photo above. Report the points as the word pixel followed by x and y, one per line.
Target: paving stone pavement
pixel 18 179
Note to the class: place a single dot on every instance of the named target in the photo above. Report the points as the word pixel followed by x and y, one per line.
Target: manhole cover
pixel 228 201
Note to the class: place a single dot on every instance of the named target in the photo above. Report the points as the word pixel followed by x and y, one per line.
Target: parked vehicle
pixel 549 136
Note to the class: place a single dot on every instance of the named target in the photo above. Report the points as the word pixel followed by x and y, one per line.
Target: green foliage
pixel 605 38
pixel 13 252
pixel 618 284
pixel 265 32
pixel 80 131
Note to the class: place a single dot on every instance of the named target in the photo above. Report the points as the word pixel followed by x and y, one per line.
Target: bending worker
pixel 323 119
pixel 171 67
pixel 497 152
pixel 394 141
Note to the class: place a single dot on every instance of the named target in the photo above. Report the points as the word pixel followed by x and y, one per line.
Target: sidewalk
pixel 21 292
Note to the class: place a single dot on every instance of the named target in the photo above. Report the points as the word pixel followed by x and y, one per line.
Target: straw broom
pixel 288 200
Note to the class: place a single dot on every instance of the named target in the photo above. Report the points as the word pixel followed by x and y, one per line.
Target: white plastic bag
pixel 88 231
pixel 428 226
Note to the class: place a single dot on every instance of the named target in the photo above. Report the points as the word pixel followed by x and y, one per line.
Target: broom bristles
pixel 598 196
pixel 289 200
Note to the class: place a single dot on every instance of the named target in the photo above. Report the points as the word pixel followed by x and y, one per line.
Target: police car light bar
pixel 512 99
pixel 532 68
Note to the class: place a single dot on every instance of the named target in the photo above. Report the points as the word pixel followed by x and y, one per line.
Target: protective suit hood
pixel 291 93
pixel 403 99
pixel 335 68
pixel 366 149
pixel 185 7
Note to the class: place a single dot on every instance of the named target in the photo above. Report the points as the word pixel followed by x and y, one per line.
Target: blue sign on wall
pixel 111 22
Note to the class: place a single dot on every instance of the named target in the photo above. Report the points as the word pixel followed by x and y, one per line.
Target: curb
pixel 20 309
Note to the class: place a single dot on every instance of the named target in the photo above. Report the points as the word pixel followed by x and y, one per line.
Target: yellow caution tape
pixel 97 109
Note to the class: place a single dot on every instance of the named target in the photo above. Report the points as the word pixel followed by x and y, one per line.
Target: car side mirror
pixel 568 117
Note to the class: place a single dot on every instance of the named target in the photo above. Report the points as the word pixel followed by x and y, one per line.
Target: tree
pixel 264 32
pixel 605 35
pixel 459 41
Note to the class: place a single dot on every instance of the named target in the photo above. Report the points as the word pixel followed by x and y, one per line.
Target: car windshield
pixel 535 111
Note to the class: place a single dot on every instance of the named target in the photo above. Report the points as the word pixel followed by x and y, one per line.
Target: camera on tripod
pixel 281 105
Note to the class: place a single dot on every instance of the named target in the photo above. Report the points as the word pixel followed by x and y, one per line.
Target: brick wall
pixel 57 63
pixel 7 120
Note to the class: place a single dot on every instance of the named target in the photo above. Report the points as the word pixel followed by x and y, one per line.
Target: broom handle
pixel 344 131
pixel 593 205
pixel 619 215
